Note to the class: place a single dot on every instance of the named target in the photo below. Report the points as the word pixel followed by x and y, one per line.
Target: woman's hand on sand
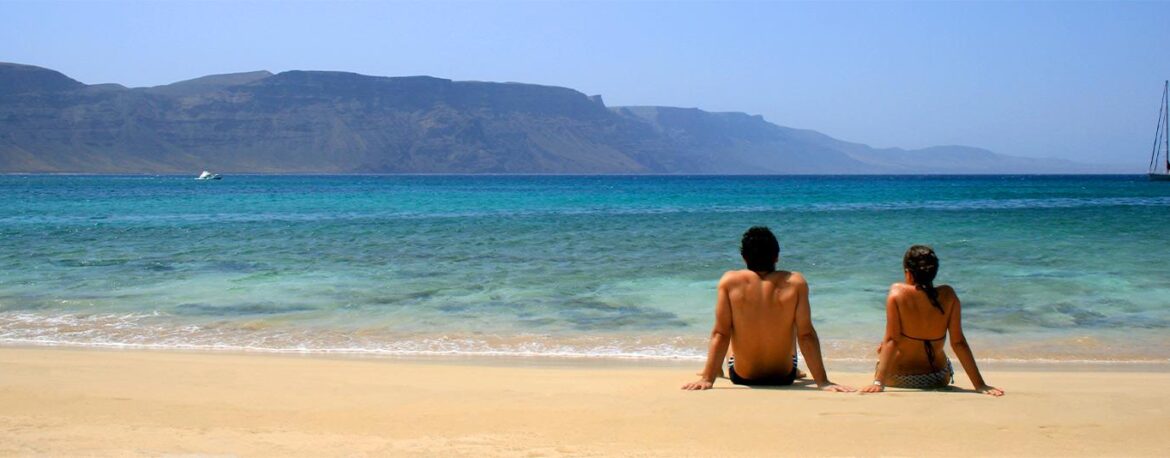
pixel 873 389
pixel 702 384
pixel 990 390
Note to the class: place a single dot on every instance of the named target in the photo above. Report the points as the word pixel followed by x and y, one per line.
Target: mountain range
pixel 337 122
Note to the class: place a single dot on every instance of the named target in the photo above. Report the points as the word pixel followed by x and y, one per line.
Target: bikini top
pixel 926 343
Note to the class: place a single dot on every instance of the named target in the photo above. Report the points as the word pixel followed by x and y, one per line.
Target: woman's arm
pixel 888 350
pixel 963 350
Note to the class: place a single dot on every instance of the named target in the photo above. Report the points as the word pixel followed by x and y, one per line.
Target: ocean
pixel 1049 268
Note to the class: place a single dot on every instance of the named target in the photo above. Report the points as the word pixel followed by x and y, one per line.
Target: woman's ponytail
pixel 922 264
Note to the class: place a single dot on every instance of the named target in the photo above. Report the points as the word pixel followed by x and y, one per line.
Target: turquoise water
pixel 1052 268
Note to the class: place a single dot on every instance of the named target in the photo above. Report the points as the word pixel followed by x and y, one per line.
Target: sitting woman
pixel 918 319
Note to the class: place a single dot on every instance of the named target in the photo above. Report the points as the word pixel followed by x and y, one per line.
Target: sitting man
pixel 757 310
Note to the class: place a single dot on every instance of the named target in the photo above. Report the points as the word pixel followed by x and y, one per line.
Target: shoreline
pixel 67 401
pixel 582 361
pixel 579 360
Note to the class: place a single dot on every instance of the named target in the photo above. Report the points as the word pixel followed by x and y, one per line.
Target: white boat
pixel 209 176
pixel 1160 157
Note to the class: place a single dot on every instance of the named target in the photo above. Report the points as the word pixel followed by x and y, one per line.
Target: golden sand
pixel 57 402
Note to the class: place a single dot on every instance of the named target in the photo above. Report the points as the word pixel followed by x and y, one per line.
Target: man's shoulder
pixel 790 278
pixel 795 277
pixel 735 276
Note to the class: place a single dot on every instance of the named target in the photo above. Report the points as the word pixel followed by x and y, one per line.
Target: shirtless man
pixel 757 310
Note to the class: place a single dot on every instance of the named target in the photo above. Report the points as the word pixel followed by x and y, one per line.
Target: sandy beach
pixel 100 402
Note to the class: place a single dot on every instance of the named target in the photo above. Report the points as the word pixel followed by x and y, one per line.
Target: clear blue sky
pixel 1074 80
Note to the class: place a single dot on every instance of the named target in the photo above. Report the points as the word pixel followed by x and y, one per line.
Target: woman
pixel 918 318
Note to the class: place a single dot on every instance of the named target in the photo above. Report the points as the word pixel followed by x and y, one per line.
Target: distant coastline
pixel 313 122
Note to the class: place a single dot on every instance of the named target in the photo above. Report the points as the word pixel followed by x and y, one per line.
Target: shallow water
pixel 1052 268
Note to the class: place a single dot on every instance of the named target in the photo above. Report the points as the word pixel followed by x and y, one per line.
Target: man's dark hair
pixel 759 249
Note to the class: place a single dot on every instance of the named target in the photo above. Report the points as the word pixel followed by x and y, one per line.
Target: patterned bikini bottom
pixel 939 379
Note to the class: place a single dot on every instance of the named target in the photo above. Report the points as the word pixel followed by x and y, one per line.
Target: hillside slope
pixel 336 122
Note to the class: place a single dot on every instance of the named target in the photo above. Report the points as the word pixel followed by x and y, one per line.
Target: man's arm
pixel 720 340
pixel 810 344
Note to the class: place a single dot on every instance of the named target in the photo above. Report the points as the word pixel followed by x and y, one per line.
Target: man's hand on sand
pixel 990 390
pixel 873 389
pixel 702 384
pixel 835 388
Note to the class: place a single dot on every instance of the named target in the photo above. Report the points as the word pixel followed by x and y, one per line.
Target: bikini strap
pixel 926 343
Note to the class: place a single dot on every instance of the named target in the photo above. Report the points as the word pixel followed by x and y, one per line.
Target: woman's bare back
pixel 921 321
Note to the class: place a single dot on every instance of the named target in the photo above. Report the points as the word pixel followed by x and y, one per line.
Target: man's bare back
pixel 757 309
pixel 763 313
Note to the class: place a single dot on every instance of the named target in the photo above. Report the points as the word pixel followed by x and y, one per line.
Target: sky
pixel 1078 81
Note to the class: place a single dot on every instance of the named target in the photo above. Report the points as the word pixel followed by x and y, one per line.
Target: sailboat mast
pixel 1155 150
pixel 1166 110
